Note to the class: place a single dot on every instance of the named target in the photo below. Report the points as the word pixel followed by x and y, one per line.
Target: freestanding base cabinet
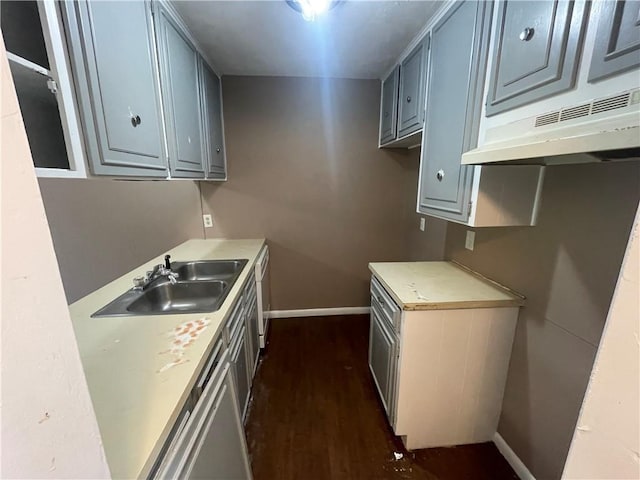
pixel 440 343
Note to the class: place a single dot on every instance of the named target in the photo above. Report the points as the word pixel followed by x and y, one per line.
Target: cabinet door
pixel 617 47
pixel 413 77
pixel 454 101
pixel 241 371
pixel 536 51
pixel 389 107
pixel 212 107
pixel 254 340
pixel 381 357
pixel 220 451
pixel 114 61
pixel 181 95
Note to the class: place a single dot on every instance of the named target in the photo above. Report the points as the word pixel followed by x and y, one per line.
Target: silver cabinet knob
pixel 381 300
pixel 440 175
pixel 218 150
pixel 135 121
pixel 408 99
pixel 386 114
pixel 527 34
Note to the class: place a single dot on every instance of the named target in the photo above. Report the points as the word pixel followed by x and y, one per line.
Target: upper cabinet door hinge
pixel 469 210
pixel 52 85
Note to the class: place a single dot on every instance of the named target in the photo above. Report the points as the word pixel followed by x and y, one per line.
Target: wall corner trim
pixel 319 312
pixel 510 456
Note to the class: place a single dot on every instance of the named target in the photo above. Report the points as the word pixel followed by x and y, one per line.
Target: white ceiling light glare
pixel 312 9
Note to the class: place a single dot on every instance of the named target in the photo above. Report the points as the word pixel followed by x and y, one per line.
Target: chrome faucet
pixel 160 270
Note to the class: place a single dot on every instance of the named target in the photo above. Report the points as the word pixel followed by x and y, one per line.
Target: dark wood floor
pixel 315 414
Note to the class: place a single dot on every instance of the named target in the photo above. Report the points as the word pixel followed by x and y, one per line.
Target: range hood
pixel 603 129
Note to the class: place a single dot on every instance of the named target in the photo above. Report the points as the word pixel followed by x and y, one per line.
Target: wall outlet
pixel 470 241
pixel 208 221
pixel 422 223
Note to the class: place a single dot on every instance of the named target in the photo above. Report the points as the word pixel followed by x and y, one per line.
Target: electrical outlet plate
pixel 471 240
pixel 207 220
pixel 422 223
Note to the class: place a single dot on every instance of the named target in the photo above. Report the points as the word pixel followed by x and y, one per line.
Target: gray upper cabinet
pixel 617 46
pixel 389 107
pixel 181 97
pixel 536 51
pixel 115 72
pixel 459 50
pixel 212 111
pixel 413 75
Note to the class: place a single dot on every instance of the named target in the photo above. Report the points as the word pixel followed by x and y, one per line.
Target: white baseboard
pixel 318 312
pixel 510 456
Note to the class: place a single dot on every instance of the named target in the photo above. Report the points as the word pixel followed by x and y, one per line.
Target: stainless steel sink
pixel 202 287
pixel 180 297
pixel 207 269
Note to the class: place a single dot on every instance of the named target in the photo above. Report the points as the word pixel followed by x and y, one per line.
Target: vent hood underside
pixel 578 134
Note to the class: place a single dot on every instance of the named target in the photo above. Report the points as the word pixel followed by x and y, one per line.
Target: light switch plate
pixel 207 220
pixel 422 223
pixel 471 239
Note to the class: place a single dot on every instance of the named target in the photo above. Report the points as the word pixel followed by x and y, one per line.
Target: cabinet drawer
pixel 249 291
pixel 381 300
pixel 209 369
pixel 234 322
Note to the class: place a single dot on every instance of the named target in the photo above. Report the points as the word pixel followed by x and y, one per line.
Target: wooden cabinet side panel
pixel 452 372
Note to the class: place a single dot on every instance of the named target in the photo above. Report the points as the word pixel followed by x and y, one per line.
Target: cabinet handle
pixel 386 114
pixel 135 121
pixel 380 300
pixel 440 175
pixel 408 99
pixel 527 34
pixel 218 150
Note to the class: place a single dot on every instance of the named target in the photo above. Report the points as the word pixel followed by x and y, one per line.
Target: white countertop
pixel 441 285
pixel 136 394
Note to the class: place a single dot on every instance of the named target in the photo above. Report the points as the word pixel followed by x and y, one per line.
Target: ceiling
pixel 356 39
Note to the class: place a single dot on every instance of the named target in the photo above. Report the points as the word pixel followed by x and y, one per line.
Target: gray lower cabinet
pixel 382 357
pixel 459 45
pixel 253 335
pixel 220 452
pixel 389 107
pixel 179 77
pixel 536 51
pixel 208 440
pixel 212 120
pixel 413 76
pixel 115 72
pixel 617 46
pixel 239 363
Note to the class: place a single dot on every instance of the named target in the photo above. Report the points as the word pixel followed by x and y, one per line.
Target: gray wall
pixel 305 172
pixel 567 267
pixel 104 228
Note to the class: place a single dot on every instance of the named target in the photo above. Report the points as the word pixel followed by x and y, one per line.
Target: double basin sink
pixel 201 286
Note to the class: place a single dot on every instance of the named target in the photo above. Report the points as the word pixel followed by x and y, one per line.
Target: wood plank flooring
pixel 315 413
